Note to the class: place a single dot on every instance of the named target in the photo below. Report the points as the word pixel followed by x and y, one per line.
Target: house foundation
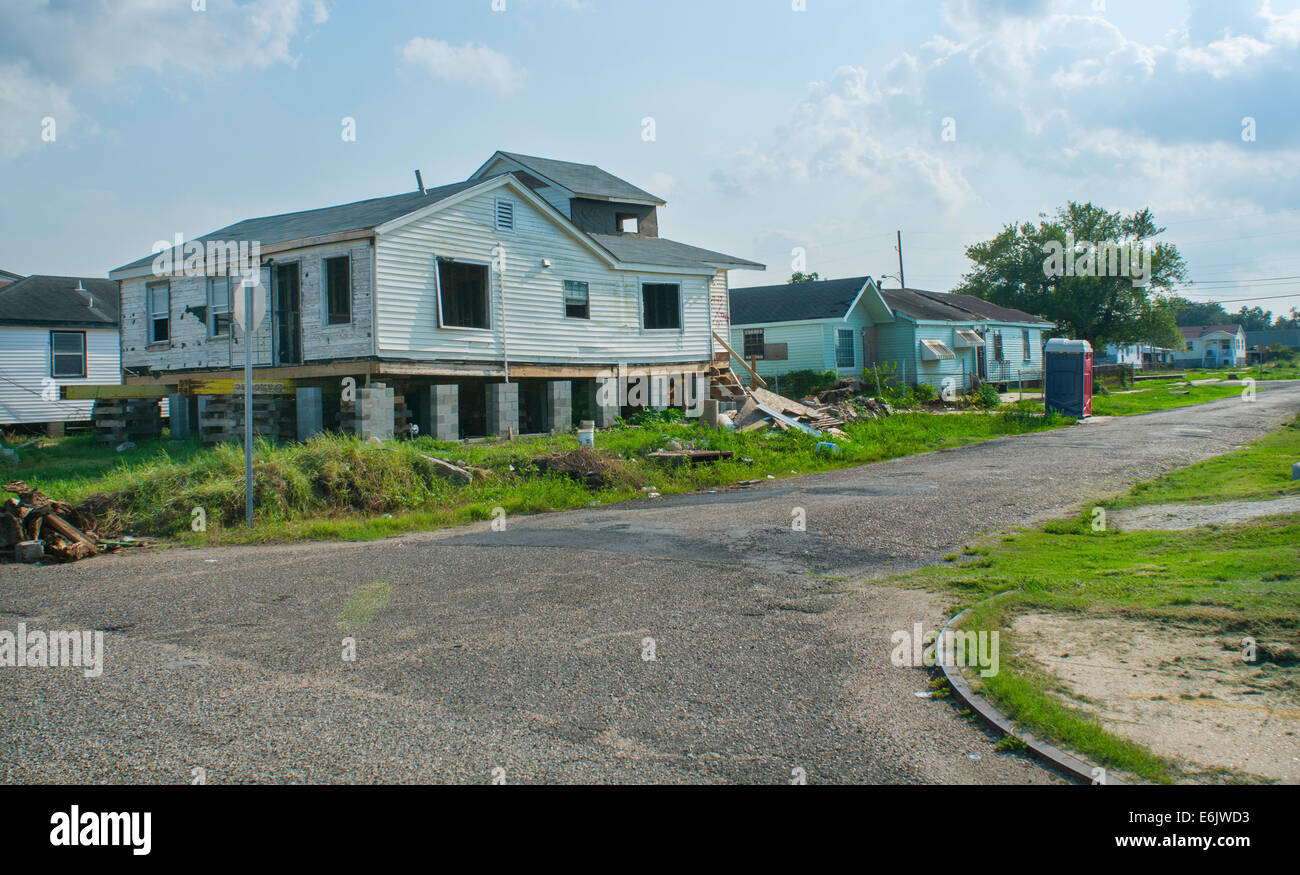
pixel 559 406
pixel 502 409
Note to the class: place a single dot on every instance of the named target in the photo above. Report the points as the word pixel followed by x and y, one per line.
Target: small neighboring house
pixel 533 272
pixel 850 324
pixel 8 276
pixel 1139 355
pixel 55 331
pixel 1213 346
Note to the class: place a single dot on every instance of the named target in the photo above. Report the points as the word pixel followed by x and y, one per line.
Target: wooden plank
pixel 87 392
pixel 236 387
pixel 759 381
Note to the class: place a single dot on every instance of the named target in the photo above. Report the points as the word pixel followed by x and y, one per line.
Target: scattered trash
pixel 123 447
pixel 9 454
pixel 826 447
pixel 35 528
pixel 692 457
pixel 771 476
pixel 654 495
pixel 923 694
pixel 974 756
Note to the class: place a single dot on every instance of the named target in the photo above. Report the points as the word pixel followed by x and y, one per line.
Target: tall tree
pixel 1072 269
pixel 1189 312
pixel 798 277
pixel 1253 318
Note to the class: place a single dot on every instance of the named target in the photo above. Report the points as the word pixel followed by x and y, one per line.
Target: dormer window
pixel 628 223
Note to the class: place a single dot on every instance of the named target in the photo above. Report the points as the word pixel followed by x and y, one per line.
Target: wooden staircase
pixel 724 385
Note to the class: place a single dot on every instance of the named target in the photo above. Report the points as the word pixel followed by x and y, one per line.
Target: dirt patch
pixel 1185 692
pixel 1190 516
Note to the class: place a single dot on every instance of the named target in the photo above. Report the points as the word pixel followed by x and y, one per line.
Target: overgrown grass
pixel 337 487
pixel 1259 471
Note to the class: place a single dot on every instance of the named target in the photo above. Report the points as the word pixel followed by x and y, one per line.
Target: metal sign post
pixel 249 312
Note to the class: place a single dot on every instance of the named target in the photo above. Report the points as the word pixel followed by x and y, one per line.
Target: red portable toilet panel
pixel 1087 383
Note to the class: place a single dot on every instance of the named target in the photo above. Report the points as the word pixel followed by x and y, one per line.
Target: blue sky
pixel 774 128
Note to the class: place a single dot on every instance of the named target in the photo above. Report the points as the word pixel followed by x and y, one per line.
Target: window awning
pixel 967 338
pixel 935 350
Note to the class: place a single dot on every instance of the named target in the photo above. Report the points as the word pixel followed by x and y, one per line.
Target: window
pixel 627 223
pixel 661 305
pixel 1024 335
pixel 755 341
pixel 1190 346
pixel 997 347
pixel 577 304
pixel 505 215
pixel 337 282
pixel 844 357
pixel 218 306
pixel 463 294
pixel 160 319
pixel 68 358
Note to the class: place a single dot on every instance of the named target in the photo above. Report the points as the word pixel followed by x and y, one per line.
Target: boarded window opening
pixel 662 306
pixel 68 350
pixel 463 294
pixel 577 300
pixel 755 340
pixel 338 290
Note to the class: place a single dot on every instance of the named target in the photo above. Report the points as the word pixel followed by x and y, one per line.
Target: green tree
pixel 797 277
pixel 1189 312
pixel 1292 322
pixel 1070 268
pixel 1253 318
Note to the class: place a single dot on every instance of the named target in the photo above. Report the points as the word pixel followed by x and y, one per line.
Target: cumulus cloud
pixel 472 63
pixel 54 51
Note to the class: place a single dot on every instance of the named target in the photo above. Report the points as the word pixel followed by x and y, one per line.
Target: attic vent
pixel 505 216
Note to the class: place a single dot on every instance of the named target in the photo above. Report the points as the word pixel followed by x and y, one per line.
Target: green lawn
pixel 339 488
pixel 1154 395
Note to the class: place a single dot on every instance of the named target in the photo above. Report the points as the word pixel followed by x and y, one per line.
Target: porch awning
pixel 967 338
pixel 935 350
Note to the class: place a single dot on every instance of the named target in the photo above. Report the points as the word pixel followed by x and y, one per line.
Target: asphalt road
pixel 520 655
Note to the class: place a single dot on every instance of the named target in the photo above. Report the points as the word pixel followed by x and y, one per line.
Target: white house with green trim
pixel 847 325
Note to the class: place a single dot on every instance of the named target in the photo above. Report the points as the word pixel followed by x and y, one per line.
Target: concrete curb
pixel 993 717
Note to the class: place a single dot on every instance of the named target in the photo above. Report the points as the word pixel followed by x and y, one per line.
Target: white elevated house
pixel 55 331
pixel 1213 346
pixel 511 292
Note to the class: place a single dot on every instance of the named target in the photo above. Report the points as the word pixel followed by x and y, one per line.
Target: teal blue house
pixel 847 325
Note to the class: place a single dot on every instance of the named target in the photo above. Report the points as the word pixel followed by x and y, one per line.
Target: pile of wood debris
pixel 825 414
pixel 34 528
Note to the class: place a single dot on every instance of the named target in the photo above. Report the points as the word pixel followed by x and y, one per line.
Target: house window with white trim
pixel 463 294
pixel 844 352
pixel 67 353
pixel 218 306
pixel 577 300
pixel 159 302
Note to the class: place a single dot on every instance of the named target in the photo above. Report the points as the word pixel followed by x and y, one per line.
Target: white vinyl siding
pixel 26 363
pixel 577 300
pixel 532 314
pixel 505 215
pixel 68 354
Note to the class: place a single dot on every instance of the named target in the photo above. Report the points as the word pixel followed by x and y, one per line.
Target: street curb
pixel 1002 723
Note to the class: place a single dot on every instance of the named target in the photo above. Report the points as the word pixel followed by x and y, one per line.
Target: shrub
pixel 985 396
pixel 800 384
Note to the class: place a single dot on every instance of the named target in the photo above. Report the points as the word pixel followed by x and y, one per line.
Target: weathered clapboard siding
pixel 25 366
pixel 190 347
pixel 530 324
pixel 720 304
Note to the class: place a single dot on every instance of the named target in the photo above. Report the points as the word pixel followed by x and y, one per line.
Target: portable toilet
pixel 1067 377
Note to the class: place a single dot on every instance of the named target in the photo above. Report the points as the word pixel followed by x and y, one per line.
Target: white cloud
pixel 54 51
pixel 473 63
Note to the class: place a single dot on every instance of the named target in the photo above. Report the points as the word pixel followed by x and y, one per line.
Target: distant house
pixel 8 276
pixel 1266 338
pixel 1213 346
pixel 1139 355
pixel 55 331
pixel 847 325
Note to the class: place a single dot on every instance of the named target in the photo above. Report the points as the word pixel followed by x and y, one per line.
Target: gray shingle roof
pixel 1191 332
pixel 825 299
pixel 667 253
pixel 584 180
pixel 55 301
pixel 8 276
pixel 358 216
pixel 948 307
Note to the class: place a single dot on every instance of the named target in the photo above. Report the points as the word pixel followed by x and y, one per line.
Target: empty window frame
pixel 1029 353
pixel 219 306
pixel 627 223
pixel 336 282
pixel 577 300
pixel 159 302
pixel 755 340
pixel 661 306
pixel 505 215
pixel 997 347
pixel 844 352
pixel 463 294
pixel 67 353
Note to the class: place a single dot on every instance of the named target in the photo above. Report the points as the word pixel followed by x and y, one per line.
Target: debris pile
pixel 35 528
pixel 585 465
pixel 847 401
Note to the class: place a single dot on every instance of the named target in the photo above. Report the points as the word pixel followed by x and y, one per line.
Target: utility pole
pixel 248 401
pixel 901 280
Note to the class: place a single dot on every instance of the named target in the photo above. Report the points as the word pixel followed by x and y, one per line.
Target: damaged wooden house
pixel 491 306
